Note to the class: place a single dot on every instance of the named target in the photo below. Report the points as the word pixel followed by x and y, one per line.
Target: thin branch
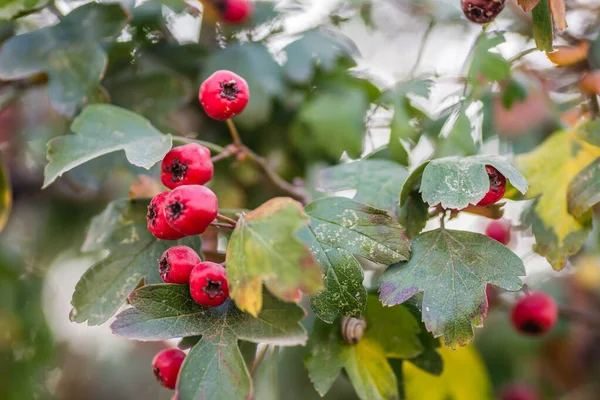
pixel 422 47
pixel 220 225
pixel 258 358
pixel 224 155
pixel 228 220
pixel 522 54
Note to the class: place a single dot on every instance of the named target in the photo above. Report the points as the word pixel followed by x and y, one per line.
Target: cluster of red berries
pixel 207 280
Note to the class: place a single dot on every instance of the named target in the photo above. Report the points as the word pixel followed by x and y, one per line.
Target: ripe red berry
pixel 535 314
pixel 497 187
pixel 186 165
pixel 224 95
pixel 499 230
pixel 166 365
pixel 176 264
pixel 208 284
pixel 157 223
pixel 482 11
pixel 190 209
pixel 236 11
pixel 518 392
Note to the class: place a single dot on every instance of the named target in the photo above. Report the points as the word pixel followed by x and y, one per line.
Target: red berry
pixel 498 230
pixel 535 314
pixel 190 209
pixel 208 284
pixel 157 223
pixel 186 165
pixel 176 264
pixel 482 11
pixel 166 365
pixel 518 392
pixel 224 95
pixel 236 11
pixel 497 187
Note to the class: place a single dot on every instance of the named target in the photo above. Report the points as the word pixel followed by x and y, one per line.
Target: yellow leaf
pixel 464 378
pixel 5 194
pixel 564 56
pixel 549 169
pixel 370 373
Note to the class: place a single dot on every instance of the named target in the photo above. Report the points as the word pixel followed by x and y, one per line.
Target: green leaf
pixel 264 248
pixel 377 182
pixel 255 64
pixel 414 214
pixel 214 368
pixel 14 8
pixel 456 182
pixel 490 65
pixel 151 95
pixel 594 53
pixel 103 129
pixel 412 183
pixel 452 269
pixel 391 332
pixel 316 48
pixel 323 125
pixel 5 193
pixel 121 229
pixel 69 52
pixel 459 141
pixel 513 92
pixel 339 230
pixel 401 127
pixel 542 26
pixel 584 190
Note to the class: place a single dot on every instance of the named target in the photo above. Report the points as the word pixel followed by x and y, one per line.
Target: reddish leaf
pixel 528 5
pixel 557 8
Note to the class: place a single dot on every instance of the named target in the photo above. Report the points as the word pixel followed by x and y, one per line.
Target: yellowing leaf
pixel 568 55
pixel 549 169
pixel 5 193
pixel 528 5
pixel 464 378
pixel 368 369
pixel 264 248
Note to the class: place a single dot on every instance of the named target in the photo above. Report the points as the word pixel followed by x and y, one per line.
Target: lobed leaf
pixel 103 129
pixel 341 229
pixel 584 190
pixel 452 269
pixel 264 248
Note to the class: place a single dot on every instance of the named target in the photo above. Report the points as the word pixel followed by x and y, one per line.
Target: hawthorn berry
pixel 190 209
pixel 499 231
pixel 482 11
pixel 224 95
pixel 208 284
pixel 235 11
pixel 166 365
pixel 186 165
pixel 157 223
pixel 518 392
pixel 497 187
pixel 176 264
pixel 534 314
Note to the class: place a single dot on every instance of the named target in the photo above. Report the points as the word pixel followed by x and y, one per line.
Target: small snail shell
pixel 353 329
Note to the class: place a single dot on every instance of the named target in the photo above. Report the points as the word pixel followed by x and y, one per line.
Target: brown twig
pixel 293 191
pixel 221 225
pixel 229 221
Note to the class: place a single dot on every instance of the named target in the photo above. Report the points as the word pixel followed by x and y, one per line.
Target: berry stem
pixel 222 225
pixel 260 354
pixel 228 220
pixel 234 132
pixel 222 156
pixel 422 47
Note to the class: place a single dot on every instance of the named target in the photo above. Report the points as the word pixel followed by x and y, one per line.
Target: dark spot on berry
pixel 157 375
pixel 152 214
pixel 163 266
pixel 496 181
pixel 531 327
pixel 177 169
pixel 175 209
pixel 229 90
pixel 354 340
pixel 213 288
pixel 476 12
